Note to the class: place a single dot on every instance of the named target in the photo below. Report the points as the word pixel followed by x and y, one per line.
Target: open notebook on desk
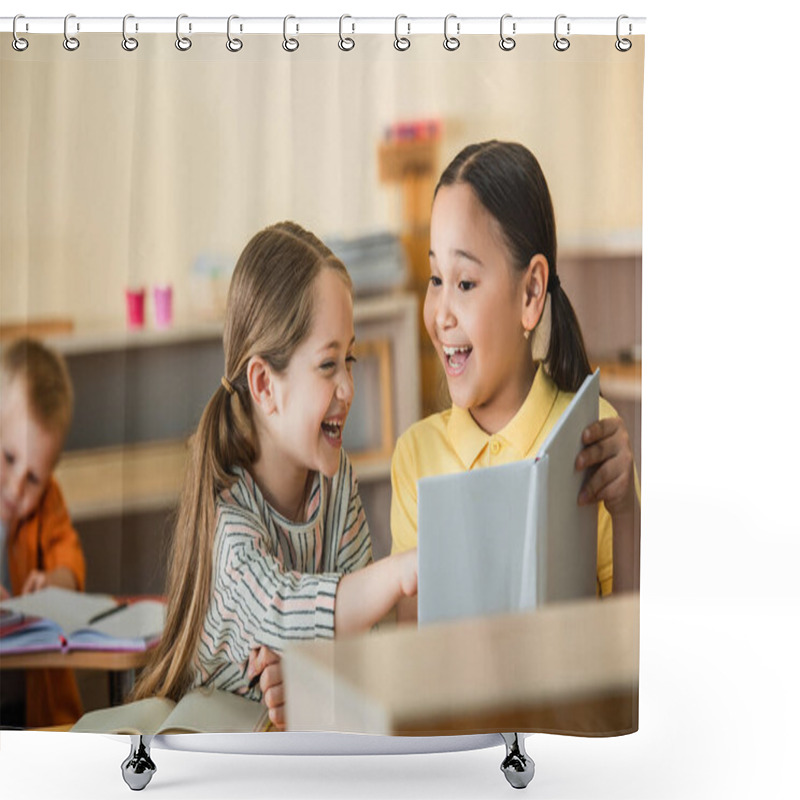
pixel 511 537
pixel 58 619
pixel 201 710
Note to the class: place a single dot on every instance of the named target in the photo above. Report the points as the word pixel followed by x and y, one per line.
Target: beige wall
pixel 120 168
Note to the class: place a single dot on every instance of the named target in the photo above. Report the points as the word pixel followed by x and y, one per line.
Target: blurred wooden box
pixel 399 160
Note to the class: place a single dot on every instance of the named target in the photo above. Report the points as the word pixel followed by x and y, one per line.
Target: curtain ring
pixel 70 42
pixel 561 44
pixel 507 42
pixel 234 45
pixel 128 42
pixel 18 43
pixel 451 42
pixel 183 43
pixel 401 42
pixel 623 45
pixel 289 45
pixel 345 42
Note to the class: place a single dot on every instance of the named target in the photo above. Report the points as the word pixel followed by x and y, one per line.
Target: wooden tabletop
pixel 77 659
pixel 565 668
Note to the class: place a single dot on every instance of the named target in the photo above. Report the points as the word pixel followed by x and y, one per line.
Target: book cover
pixel 510 537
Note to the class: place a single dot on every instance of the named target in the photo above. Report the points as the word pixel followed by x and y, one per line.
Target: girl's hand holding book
pixel 264 668
pixel 607 448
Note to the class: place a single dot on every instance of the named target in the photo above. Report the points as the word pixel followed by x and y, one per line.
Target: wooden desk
pixel 566 668
pixel 121 666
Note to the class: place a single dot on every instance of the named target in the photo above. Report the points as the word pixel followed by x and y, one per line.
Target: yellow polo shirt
pixel 453 442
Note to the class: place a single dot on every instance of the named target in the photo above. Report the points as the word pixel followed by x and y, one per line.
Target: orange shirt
pixel 46 540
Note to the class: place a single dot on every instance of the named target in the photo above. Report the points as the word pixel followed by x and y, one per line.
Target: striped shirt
pixel 275 580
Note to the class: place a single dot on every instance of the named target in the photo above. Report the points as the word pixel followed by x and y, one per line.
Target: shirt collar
pixel 469 439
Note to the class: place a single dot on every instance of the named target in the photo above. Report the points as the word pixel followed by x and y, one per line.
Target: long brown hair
pixel 269 313
pixel 510 184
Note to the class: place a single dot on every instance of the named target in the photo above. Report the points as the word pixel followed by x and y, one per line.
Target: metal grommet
pixel 561 44
pixel 183 43
pixel 70 43
pixel 623 45
pixel 451 42
pixel 345 42
pixel 401 42
pixel 18 43
pixel 128 42
pixel 506 42
pixel 289 45
pixel 234 45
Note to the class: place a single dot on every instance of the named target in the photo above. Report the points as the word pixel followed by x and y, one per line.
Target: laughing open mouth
pixel 332 428
pixel 456 357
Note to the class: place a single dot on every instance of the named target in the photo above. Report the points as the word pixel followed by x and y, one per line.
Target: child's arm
pixel 62 561
pixel 62 577
pixel 365 596
pixel 607 448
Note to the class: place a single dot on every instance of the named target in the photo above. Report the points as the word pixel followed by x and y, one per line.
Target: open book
pixel 511 537
pixel 202 710
pixel 58 619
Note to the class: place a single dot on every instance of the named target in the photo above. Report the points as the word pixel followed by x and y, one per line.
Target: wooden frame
pixel 380 349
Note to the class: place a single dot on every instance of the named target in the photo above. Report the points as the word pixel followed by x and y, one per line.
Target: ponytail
pixel 218 444
pixel 510 184
pixel 566 360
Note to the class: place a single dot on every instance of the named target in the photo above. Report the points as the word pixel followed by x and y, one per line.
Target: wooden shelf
pixel 621 380
pixel 567 667
pixel 139 478
pixel 116 480
pixel 100 336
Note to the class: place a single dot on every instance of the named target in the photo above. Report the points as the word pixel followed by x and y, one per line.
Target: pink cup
pixel 135 301
pixel 162 300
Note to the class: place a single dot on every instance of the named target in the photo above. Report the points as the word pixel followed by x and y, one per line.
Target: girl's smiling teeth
pixel 332 429
pixel 456 357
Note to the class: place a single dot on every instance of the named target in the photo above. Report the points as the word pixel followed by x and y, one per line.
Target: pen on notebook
pixel 104 614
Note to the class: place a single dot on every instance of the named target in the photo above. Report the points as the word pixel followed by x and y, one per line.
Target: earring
pixel 526 333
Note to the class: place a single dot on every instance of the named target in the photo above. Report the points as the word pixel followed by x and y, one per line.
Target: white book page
pixel 471 541
pixel 69 610
pixel 142 619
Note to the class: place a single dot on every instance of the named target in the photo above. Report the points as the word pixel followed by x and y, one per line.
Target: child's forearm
pixel 365 596
pixel 626 541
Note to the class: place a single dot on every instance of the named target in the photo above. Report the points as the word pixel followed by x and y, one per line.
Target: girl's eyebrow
pixel 334 345
pixel 465 254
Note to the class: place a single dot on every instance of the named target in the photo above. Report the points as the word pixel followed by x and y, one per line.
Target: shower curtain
pixel 132 178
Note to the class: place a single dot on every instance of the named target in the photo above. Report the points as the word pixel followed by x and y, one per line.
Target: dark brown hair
pixel 510 184
pixel 269 313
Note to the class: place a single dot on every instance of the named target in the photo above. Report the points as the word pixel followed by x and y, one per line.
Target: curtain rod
pixel 403 25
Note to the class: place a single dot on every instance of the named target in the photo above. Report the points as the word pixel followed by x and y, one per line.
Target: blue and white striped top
pixel 275 580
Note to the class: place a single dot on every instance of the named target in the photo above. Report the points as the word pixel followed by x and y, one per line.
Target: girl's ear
pixel 534 291
pixel 261 383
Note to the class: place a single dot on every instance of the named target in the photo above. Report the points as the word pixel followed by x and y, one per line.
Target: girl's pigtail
pixel 566 359
pixel 171 671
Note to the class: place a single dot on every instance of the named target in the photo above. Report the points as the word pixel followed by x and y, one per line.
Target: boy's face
pixel 29 454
